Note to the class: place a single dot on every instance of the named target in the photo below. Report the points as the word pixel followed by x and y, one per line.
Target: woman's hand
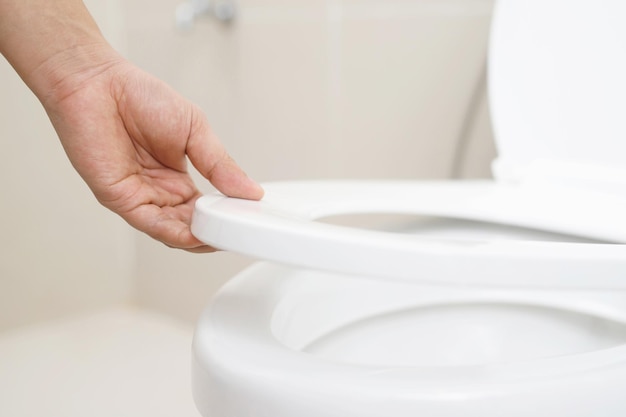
pixel 126 133
pixel 129 136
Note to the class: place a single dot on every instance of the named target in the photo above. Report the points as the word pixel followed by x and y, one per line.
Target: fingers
pixel 202 249
pixel 208 155
pixel 169 225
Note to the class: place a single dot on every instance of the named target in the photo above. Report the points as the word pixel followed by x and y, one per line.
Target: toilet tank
pixel 557 87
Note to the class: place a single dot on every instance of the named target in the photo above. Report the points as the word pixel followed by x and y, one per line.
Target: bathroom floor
pixel 119 362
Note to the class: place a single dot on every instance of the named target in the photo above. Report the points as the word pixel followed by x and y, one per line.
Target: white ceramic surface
pixel 541 328
pixel 557 90
pixel 280 342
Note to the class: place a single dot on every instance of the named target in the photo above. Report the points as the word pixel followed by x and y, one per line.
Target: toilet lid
pixel 557 90
pixel 282 228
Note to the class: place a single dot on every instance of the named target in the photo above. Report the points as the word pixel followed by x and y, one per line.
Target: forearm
pixel 54 45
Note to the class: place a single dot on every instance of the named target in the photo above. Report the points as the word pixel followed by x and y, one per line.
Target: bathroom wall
pixel 318 89
pixel 60 252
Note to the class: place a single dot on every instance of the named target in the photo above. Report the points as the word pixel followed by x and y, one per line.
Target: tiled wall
pixel 319 89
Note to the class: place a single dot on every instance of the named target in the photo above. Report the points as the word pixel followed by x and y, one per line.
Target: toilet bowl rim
pixel 247 347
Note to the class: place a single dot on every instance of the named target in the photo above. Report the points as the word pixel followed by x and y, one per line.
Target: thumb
pixel 208 155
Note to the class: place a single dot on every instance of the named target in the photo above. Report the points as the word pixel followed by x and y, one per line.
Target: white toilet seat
pixel 281 228
pixel 237 355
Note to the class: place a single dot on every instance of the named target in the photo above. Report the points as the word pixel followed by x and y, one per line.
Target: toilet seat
pixel 281 228
pixel 557 98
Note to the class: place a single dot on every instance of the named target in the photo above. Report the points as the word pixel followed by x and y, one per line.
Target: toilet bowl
pixel 319 344
pixel 503 298
pixel 489 320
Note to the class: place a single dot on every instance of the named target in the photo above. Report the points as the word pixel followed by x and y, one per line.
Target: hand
pixel 128 135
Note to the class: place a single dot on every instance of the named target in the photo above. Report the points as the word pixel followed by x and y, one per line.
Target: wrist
pixel 69 70
pixel 53 45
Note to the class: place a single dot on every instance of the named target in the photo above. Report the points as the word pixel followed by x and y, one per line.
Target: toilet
pixel 493 298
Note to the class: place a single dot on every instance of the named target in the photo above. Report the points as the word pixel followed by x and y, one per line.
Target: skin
pixel 127 133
